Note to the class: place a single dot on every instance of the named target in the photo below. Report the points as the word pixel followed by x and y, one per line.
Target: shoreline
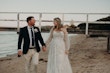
pixel 14 51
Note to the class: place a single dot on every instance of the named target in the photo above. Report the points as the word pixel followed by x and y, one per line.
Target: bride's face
pixel 55 23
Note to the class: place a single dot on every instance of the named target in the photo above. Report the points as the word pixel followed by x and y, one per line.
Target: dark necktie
pixel 32 37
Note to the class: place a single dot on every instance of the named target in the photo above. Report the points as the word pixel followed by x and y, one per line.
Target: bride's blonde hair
pixel 58 20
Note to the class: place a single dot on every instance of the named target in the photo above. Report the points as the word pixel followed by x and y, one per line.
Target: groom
pixel 29 37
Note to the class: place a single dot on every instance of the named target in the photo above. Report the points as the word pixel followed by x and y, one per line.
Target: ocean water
pixel 9 40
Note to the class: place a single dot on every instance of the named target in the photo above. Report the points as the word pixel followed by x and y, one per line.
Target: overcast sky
pixel 65 6
pixel 55 6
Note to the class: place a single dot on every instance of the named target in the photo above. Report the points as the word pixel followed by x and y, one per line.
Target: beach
pixel 87 55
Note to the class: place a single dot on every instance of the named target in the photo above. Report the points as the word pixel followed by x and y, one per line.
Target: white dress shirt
pixel 30 36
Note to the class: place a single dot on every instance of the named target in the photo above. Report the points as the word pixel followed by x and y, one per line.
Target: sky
pixel 65 6
pixel 91 6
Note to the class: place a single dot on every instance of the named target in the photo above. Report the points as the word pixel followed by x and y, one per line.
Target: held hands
pixel 66 52
pixel 44 48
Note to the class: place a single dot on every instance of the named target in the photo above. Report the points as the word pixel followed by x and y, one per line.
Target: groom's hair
pixel 29 18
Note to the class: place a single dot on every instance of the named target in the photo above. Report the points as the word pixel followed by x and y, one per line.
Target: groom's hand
pixel 19 53
pixel 44 48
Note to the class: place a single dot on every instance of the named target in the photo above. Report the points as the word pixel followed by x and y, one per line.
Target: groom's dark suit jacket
pixel 24 35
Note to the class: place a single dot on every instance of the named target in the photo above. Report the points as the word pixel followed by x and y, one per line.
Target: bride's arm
pixel 66 39
pixel 50 37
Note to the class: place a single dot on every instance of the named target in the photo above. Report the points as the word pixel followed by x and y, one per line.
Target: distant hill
pixel 105 19
pixel 46 28
pixel 97 26
pixel 8 29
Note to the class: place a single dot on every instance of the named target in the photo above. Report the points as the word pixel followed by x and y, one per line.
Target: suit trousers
pixel 31 61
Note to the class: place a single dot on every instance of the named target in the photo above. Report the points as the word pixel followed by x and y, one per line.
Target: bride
pixel 58 44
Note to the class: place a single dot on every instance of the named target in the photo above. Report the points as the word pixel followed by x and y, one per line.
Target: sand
pixel 87 55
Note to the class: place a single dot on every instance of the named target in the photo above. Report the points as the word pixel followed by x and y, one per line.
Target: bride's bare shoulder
pixel 64 29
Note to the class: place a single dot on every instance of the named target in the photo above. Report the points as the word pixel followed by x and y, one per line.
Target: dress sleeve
pixel 66 40
pixel 50 37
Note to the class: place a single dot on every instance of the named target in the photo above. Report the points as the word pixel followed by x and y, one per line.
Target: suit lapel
pixel 27 33
pixel 34 32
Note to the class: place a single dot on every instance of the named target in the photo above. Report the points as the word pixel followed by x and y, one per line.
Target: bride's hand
pixel 66 52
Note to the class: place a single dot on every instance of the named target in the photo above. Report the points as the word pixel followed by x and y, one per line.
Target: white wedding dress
pixel 58 61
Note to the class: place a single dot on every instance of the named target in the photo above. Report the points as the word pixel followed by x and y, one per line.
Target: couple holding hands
pixel 57 43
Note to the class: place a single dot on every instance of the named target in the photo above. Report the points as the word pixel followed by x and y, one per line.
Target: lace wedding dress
pixel 58 61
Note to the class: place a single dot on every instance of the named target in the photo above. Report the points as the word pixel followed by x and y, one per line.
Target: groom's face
pixel 32 21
